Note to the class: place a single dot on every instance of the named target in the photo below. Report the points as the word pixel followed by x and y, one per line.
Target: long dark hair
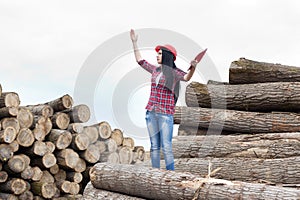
pixel 168 69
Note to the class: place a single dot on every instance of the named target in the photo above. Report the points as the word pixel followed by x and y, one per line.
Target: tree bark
pixel 41 110
pixel 14 145
pixel 38 148
pixel 277 145
pixel 249 71
pixel 79 113
pixel 91 154
pixel 60 120
pixel 80 141
pixel 46 161
pixel 91 193
pixel 46 190
pixel 237 121
pixel 67 158
pixel 62 103
pixel 275 171
pixel 15 185
pixel 74 177
pixel 194 131
pixel 175 185
pixel 8 112
pixel 9 99
pixel 61 138
pixel 138 154
pixel 17 164
pixel 277 96
pixel 75 127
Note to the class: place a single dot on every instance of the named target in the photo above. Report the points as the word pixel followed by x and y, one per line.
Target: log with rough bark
pixel 91 193
pixel 91 154
pixel 250 71
pixel 38 148
pixel 101 146
pixel 272 145
pixel 40 109
pixel 111 145
pixel 104 129
pixel 80 141
pixel 67 158
pixel 9 99
pixel 193 131
pixel 17 163
pixel 167 184
pixel 273 171
pixel 237 121
pixel 75 127
pixel 15 185
pixel 63 103
pixel 8 135
pixel 61 138
pixel 37 173
pixel 43 123
pixel 117 135
pixel 46 161
pixel 79 113
pixel 276 96
pixel 60 120
pixel 45 190
pixel 74 177
pixel 27 195
pixel 25 118
pixel 27 173
pixel 8 112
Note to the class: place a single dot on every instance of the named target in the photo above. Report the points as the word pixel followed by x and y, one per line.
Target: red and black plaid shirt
pixel 161 98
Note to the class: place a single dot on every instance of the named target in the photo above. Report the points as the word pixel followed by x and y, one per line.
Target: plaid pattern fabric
pixel 161 98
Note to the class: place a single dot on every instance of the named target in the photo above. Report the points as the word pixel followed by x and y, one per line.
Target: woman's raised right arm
pixel 136 50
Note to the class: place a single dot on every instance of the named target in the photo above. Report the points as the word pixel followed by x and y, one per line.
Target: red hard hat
pixel 169 47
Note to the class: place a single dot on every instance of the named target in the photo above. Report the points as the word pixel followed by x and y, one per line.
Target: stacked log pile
pixel 244 134
pixel 47 150
pixel 248 128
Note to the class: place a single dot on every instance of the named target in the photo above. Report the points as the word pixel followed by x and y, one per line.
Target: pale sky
pixel 44 44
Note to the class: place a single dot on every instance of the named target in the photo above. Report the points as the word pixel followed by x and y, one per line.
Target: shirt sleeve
pixel 147 66
pixel 180 74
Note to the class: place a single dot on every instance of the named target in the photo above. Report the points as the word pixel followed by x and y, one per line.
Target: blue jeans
pixel 160 129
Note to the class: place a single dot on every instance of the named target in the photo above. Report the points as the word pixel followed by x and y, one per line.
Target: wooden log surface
pixel 25 118
pixel 40 110
pixel 91 193
pixel 62 103
pixel 177 185
pixel 60 120
pixel 237 121
pixel 25 137
pixel 8 135
pixel 276 96
pixel 249 71
pixel 8 112
pixel 92 133
pixel 79 113
pixel 9 99
pixel 60 138
pixel 6 152
pixel 12 122
pixel 104 130
pixel 15 186
pixel 117 135
pixel 272 145
pixel 193 131
pixel 272 171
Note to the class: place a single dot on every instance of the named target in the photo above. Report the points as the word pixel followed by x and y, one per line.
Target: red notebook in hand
pixel 200 56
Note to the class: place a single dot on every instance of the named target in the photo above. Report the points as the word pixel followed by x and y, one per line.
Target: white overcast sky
pixel 43 44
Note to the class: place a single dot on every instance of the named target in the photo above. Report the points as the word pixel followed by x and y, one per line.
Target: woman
pixel 163 96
